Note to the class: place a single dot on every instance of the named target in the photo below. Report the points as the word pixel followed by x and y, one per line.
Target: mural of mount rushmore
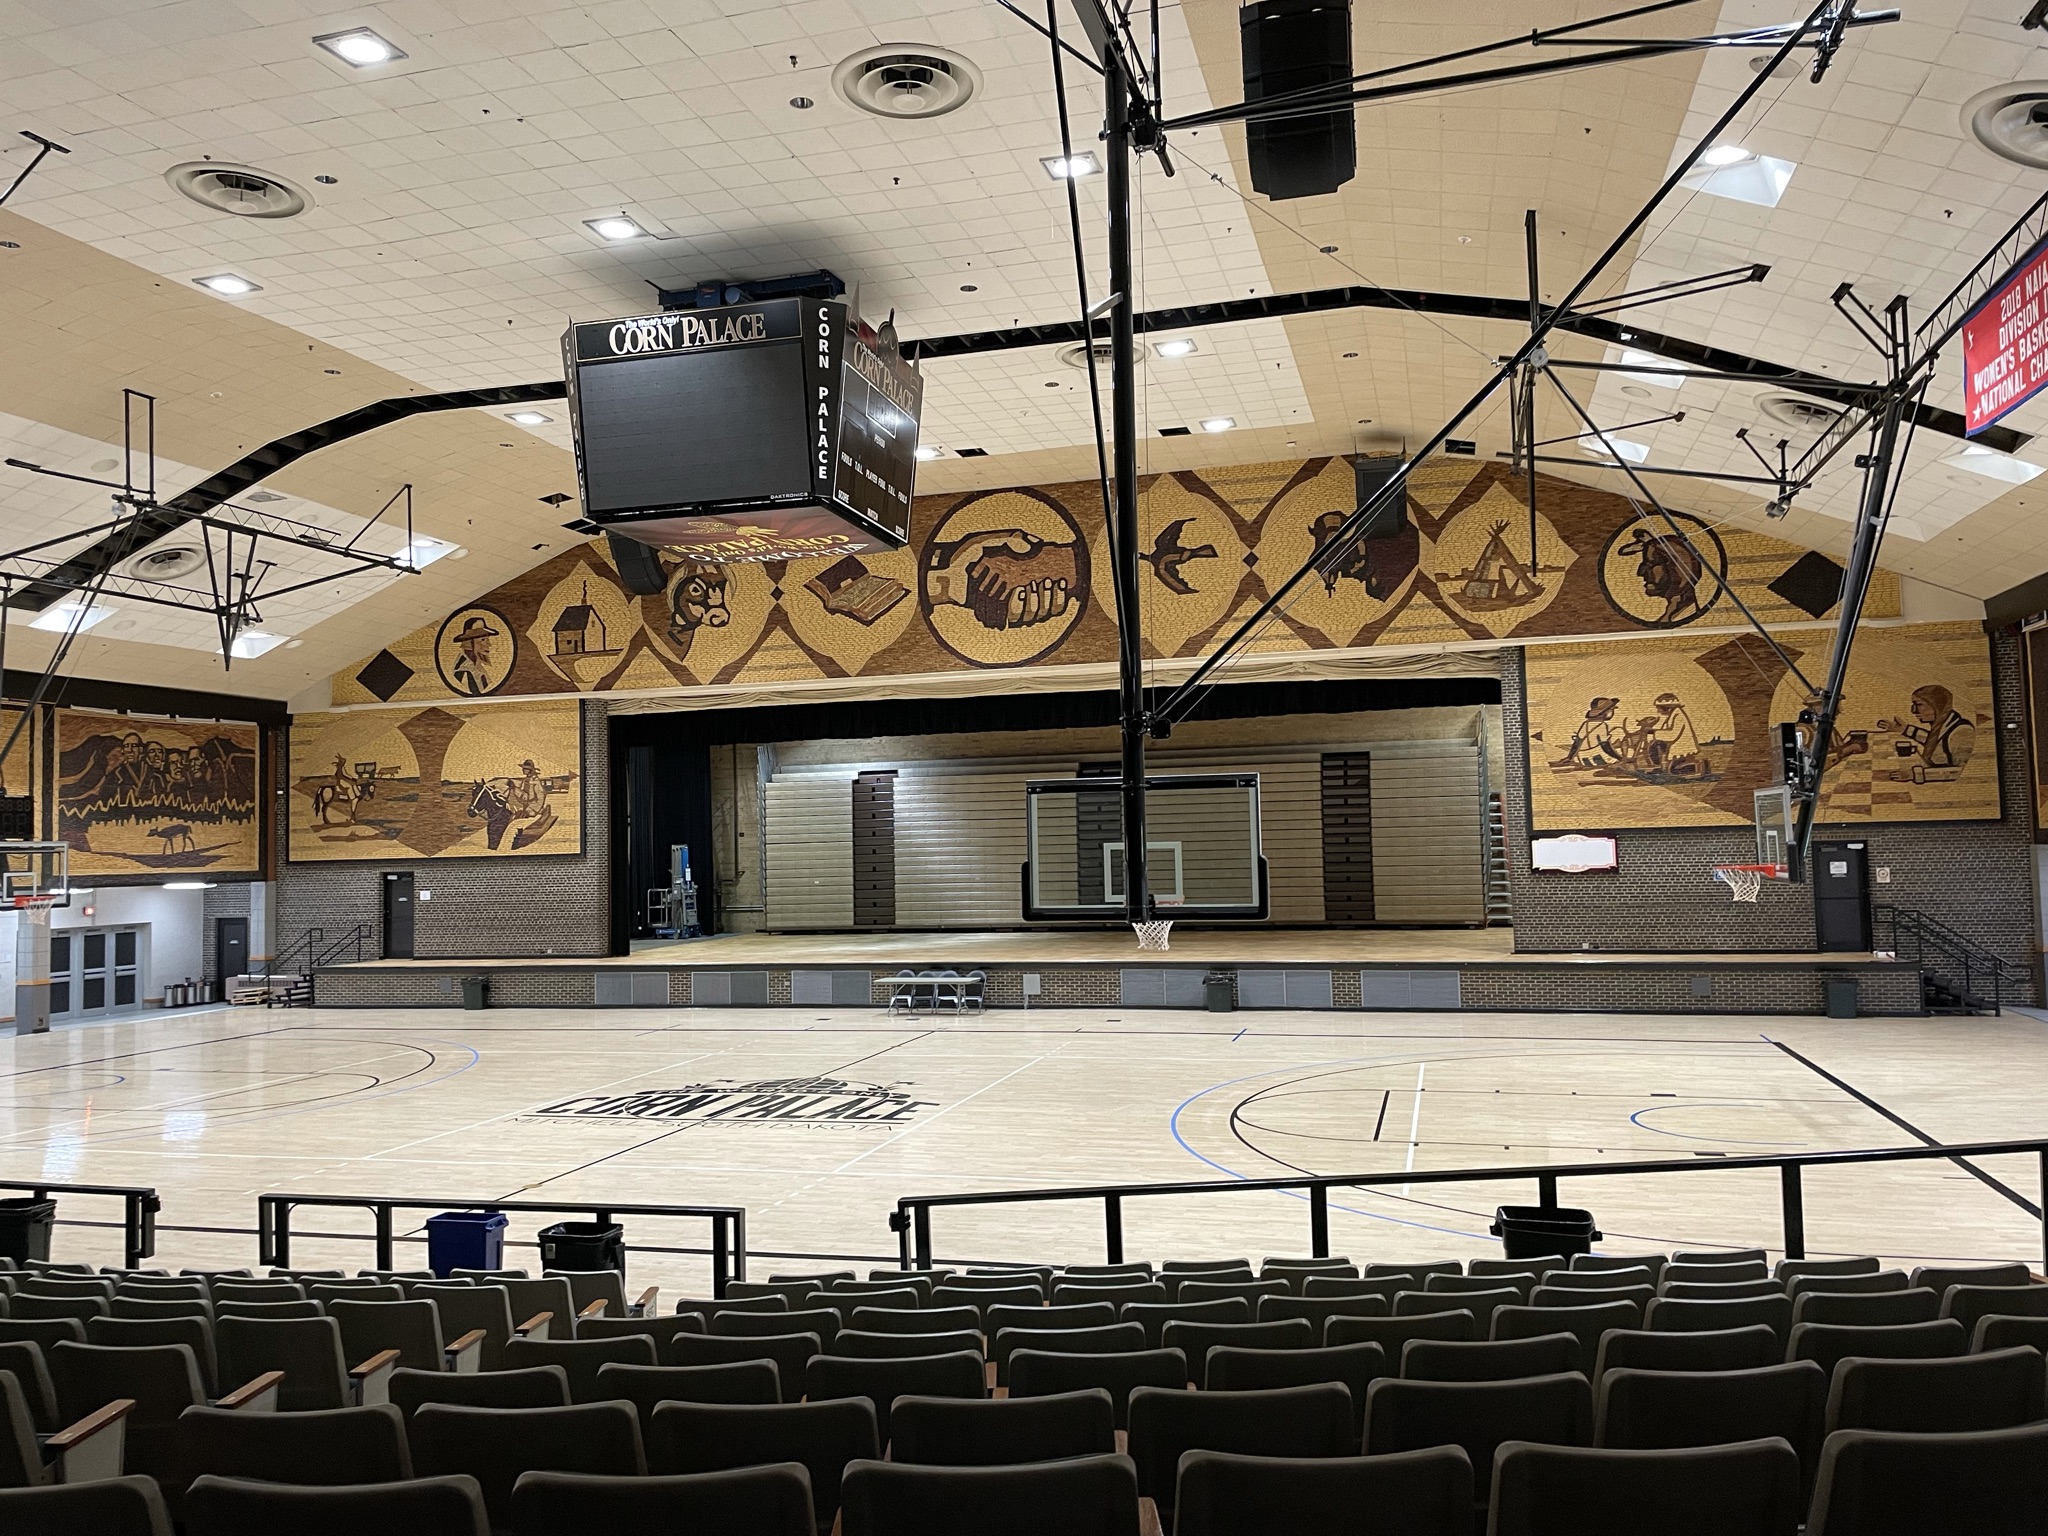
pixel 139 796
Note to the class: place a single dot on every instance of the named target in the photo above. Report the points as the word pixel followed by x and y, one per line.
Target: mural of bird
pixel 1168 555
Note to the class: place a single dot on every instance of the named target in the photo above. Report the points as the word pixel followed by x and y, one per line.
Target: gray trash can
pixel 1841 996
pixel 474 990
pixel 1219 992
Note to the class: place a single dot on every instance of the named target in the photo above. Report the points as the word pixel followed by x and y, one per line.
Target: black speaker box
pixel 639 565
pixel 1374 471
pixel 1293 45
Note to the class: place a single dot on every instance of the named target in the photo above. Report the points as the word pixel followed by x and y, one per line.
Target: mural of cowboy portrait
pixel 474 651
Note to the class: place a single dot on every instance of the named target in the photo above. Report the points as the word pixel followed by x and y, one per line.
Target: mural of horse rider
pixel 503 801
pixel 1937 748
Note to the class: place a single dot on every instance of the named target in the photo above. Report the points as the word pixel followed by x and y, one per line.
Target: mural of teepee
pixel 1498 578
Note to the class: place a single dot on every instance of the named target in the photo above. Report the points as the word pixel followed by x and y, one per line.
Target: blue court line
pixel 1173 1124
pixel 1636 1120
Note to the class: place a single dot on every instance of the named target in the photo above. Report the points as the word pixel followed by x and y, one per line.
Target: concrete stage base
pixel 1471 970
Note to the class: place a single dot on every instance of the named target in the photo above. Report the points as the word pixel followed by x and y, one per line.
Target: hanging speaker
pixel 1373 471
pixel 1294 45
pixel 639 565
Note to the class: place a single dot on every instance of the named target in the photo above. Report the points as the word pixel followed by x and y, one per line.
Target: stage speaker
pixel 1374 471
pixel 1293 45
pixel 639 565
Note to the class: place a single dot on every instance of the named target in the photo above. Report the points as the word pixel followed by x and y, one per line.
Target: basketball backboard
pixel 1776 815
pixel 1203 857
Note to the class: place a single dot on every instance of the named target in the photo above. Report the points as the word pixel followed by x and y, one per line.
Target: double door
pixel 94 971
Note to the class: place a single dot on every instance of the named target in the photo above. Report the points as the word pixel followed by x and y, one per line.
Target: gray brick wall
pixel 1976 877
pixel 481 908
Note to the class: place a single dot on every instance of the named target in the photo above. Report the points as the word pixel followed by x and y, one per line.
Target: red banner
pixel 2005 344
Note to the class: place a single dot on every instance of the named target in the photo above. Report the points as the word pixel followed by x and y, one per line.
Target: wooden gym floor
pixel 215 1107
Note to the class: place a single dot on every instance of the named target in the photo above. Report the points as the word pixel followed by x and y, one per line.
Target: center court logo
pixel 785 1100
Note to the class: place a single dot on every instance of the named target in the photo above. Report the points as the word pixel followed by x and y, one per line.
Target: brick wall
pixel 1976 877
pixel 481 908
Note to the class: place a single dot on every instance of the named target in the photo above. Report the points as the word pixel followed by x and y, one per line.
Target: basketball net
pixel 1742 881
pixel 1153 935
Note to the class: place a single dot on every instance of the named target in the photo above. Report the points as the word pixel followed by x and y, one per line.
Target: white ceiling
pixel 450 250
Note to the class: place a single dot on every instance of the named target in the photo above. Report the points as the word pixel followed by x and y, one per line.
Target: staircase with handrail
pixel 288 976
pixel 1957 974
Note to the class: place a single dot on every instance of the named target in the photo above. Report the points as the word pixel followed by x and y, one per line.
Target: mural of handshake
pixel 1007 578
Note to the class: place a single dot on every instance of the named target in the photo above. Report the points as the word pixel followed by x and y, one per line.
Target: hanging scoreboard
pixel 768 431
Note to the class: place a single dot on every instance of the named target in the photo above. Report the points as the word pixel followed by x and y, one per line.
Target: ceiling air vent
pixel 167 562
pixel 906 80
pixel 1076 356
pixel 242 190
pixel 1805 418
pixel 2011 121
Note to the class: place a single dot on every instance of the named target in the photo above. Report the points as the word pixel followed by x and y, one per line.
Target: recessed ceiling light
pixel 1751 178
pixel 1635 453
pixel 530 418
pixel 1351 354
pixel 1992 464
pixel 802 103
pixel 1727 154
pixel 1637 359
pixel 228 285
pixel 361 47
pixel 616 227
pixel 1071 167
pixel 929 451
pixel 1635 391
pixel 1219 423
pixel 60 617
pixel 1182 346
pixel 188 885
pixel 424 551
pixel 251 643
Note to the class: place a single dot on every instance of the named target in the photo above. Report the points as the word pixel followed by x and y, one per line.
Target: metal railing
pixel 138 1216
pixel 728 1250
pixel 1914 936
pixel 352 941
pixel 912 1218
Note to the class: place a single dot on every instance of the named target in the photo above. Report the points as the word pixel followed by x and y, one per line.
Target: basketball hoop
pixel 1155 933
pixel 1746 881
pixel 35 908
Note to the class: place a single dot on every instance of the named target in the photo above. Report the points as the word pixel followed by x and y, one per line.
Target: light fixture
pixel 1622 448
pixel 1219 423
pixel 424 551
pixel 360 47
pixel 1992 464
pixel 930 451
pixel 616 227
pixel 1180 346
pixel 530 418
pixel 188 885
pixel 1727 154
pixel 1748 178
pixel 251 643
pixel 1637 359
pixel 60 617
pixel 228 285
pixel 1071 167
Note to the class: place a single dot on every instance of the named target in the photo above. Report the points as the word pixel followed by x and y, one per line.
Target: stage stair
pixel 1958 976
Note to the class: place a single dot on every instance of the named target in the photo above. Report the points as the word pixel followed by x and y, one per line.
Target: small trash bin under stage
pixel 25 1228
pixel 583 1246
pixel 475 989
pixel 1543 1231
pixel 1841 996
pixel 465 1240
pixel 1219 992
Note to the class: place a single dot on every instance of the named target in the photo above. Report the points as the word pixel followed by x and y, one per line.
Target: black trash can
pixel 1219 991
pixel 1543 1231
pixel 583 1245
pixel 25 1228
pixel 1841 996
pixel 474 990
pixel 465 1240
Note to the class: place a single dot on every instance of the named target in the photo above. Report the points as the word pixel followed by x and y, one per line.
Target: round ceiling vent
pixel 2011 121
pixel 1807 418
pixel 241 190
pixel 167 562
pixel 906 80
pixel 1076 355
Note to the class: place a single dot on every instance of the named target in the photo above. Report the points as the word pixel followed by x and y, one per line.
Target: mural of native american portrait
pixel 140 796
pixel 443 782
pixel 1674 733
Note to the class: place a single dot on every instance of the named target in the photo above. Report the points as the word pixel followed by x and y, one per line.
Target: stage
pixel 1444 969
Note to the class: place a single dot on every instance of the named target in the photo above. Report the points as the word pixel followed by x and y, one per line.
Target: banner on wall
pixel 2005 344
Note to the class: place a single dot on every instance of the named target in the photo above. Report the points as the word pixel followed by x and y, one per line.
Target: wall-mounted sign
pixel 1573 854
pixel 2005 344
pixel 768 431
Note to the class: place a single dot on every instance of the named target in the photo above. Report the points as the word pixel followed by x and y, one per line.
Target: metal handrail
pixel 1950 946
pixel 138 1223
pixel 911 1220
pixel 274 1224
pixel 307 941
pixel 353 940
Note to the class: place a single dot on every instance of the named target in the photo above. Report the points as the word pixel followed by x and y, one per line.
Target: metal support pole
pixel 1795 1210
pixel 384 1255
pixel 2044 1212
pixel 1124 489
pixel 922 1216
pixel 719 1268
pixel 281 1235
pixel 1546 1191
pixel 1319 1221
pixel 1113 1228
pixel 131 1232
pixel 739 1244
pixel 1529 391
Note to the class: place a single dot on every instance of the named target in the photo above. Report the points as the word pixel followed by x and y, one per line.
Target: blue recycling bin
pixel 465 1240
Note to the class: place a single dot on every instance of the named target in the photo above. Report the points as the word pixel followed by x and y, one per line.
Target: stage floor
pixel 889 951
pixel 213 1108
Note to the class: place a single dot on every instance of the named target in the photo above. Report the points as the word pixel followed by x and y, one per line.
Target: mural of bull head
pixel 696 596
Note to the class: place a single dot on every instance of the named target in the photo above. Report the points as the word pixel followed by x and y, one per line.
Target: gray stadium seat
pixel 822 1437
pixel 2001 1390
pixel 759 1501
pixel 1747 1489
pixel 1872 1483
pixel 1085 1496
pixel 1415 1493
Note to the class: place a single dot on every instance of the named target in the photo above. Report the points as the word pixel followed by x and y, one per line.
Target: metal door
pixel 1841 897
pixel 230 949
pixel 398 914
